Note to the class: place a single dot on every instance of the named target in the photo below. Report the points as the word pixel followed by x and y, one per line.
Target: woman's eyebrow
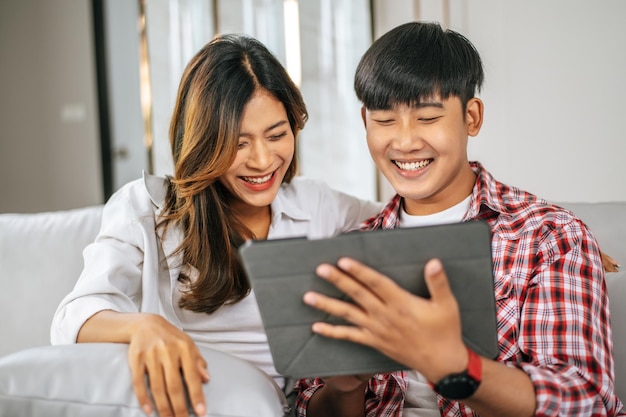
pixel 268 129
pixel 275 125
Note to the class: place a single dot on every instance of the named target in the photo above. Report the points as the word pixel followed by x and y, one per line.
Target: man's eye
pixel 428 119
pixel 384 122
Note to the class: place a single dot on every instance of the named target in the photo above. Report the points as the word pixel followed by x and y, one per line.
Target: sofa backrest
pixel 40 261
pixel 34 279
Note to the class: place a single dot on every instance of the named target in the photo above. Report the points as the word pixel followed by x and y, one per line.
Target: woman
pixel 163 274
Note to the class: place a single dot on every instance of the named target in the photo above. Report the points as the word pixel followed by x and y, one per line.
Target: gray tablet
pixel 281 271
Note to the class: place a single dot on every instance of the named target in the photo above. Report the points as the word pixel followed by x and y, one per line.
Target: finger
pixel 355 281
pixel 158 389
pixel 202 368
pixel 175 389
pixel 138 376
pixel 342 309
pixel 349 333
pixel 377 283
pixel 437 280
pixel 194 375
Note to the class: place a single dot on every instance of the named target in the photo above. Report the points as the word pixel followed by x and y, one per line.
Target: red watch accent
pixel 463 384
pixel 475 366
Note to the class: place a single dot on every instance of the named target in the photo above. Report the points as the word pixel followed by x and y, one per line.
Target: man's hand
pixel 341 396
pixel 347 383
pixel 424 334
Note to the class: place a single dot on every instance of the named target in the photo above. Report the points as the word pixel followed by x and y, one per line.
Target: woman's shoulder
pixel 301 185
pixel 149 187
pixel 138 198
pixel 318 196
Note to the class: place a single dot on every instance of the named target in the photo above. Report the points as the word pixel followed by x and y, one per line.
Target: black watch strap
pixel 464 384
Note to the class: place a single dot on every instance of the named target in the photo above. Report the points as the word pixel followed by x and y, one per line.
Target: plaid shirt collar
pixel 486 201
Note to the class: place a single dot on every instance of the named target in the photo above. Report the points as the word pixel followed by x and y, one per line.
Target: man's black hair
pixel 417 61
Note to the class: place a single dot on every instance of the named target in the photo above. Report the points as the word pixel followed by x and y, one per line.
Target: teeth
pixel 257 180
pixel 412 166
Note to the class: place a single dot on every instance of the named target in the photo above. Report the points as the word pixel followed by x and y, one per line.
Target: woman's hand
pixel 609 264
pixel 158 349
pixel 170 359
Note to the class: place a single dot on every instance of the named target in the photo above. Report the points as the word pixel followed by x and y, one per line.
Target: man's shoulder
pixel 516 205
pixel 522 212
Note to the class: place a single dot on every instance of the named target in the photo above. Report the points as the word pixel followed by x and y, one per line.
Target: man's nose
pixel 408 138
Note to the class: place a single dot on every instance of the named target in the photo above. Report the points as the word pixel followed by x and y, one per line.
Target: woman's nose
pixel 260 157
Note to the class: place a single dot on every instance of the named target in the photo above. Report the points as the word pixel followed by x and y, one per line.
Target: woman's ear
pixel 474 116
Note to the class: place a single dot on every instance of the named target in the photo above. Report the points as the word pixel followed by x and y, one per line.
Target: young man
pixel 417 84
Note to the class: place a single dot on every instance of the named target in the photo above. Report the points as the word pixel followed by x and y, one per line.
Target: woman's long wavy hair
pixel 215 87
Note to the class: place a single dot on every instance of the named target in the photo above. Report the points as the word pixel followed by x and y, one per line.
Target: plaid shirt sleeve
pixel 553 317
pixel 384 394
pixel 564 333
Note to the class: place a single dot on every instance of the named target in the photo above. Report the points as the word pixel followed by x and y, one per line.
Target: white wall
pixel 554 96
pixel 554 93
pixel 49 148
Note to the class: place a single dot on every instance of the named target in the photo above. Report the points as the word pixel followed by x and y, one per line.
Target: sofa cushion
pixel 93 379
pixel 40 261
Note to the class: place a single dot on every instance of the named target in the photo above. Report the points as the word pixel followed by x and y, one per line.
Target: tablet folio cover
pixel 281 271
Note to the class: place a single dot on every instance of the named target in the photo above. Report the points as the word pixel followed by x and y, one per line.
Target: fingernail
pixel 322 271
pixel 433 266
pixel 309 298
pixel 147 409
pixel 343 263
pixel 200 410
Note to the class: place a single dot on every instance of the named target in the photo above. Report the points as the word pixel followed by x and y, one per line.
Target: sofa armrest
pixel 93 379
pixel 40 261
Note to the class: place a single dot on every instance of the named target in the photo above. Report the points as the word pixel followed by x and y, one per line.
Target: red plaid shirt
pixel 552 307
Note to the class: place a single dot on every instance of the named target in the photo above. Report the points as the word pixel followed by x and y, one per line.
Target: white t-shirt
pixel 421 400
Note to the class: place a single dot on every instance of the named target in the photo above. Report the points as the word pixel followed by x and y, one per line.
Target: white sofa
pixel 40 259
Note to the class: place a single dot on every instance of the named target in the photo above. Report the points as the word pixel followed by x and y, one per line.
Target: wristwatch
pixel 462 385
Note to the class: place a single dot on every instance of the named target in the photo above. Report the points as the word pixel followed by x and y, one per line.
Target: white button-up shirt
pixel 130 269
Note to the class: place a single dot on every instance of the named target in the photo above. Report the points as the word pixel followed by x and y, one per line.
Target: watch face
pixel 457 386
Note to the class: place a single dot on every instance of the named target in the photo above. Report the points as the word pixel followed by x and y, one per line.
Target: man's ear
pixel 474 116
pixel 363 116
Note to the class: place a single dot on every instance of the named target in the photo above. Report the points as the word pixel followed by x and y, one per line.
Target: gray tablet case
pixel 281 271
